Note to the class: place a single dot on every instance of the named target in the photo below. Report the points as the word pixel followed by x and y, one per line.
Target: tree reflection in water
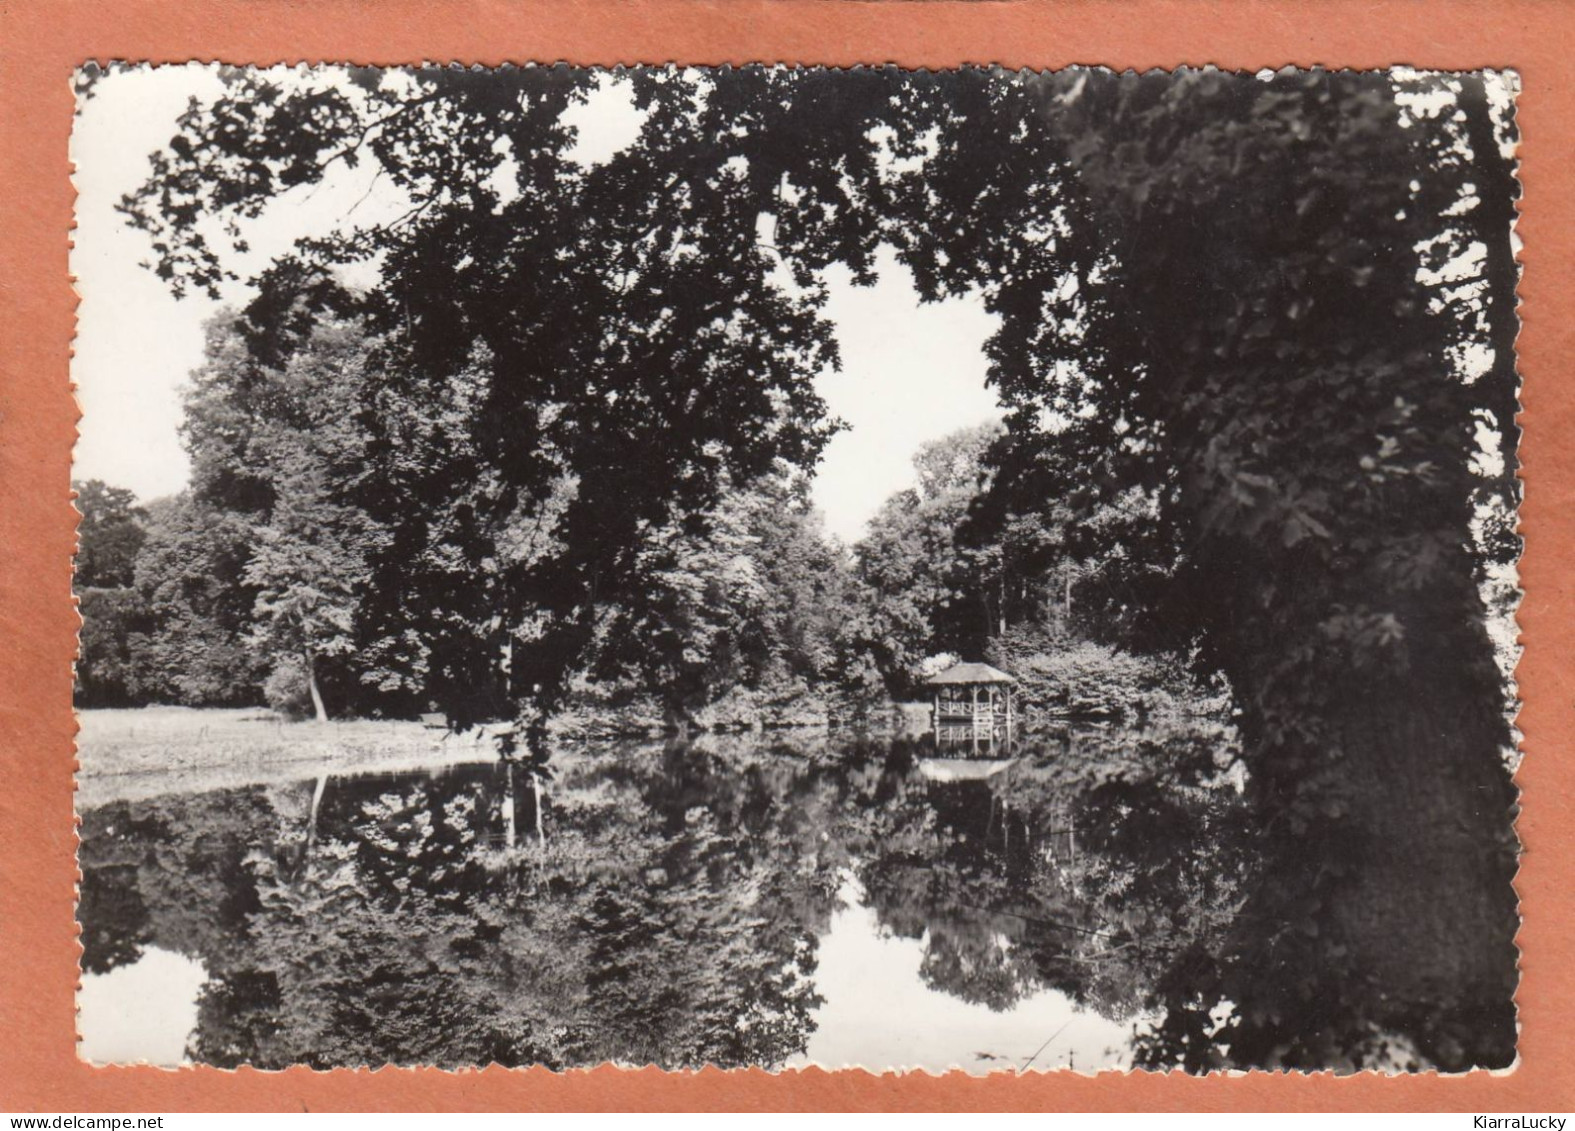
pixel 666 904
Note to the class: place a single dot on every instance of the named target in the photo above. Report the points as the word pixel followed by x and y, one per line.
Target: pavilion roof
pixel 971 673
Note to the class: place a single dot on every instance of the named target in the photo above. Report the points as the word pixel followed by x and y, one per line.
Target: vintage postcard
pixel 775 567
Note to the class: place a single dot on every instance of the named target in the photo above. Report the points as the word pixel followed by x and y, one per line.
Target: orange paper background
pixel 41 41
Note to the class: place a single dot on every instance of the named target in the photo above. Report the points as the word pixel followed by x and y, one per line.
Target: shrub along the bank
pixel 1060 675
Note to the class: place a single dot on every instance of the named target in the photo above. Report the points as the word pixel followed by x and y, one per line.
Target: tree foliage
pixel 164 603
pixel 286 447
pixel 191 582
pixel 675 910
pixel 928 593
pixel 752 599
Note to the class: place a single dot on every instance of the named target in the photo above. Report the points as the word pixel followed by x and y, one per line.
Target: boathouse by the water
pixel 970 699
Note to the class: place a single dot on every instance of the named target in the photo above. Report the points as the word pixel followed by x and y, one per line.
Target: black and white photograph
pixel 978 569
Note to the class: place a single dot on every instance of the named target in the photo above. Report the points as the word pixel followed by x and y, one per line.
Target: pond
pixel 777 900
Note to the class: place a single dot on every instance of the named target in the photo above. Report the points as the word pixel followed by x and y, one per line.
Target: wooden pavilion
pixel 971 700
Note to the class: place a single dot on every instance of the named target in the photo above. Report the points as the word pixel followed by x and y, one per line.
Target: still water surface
pixel 779 901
